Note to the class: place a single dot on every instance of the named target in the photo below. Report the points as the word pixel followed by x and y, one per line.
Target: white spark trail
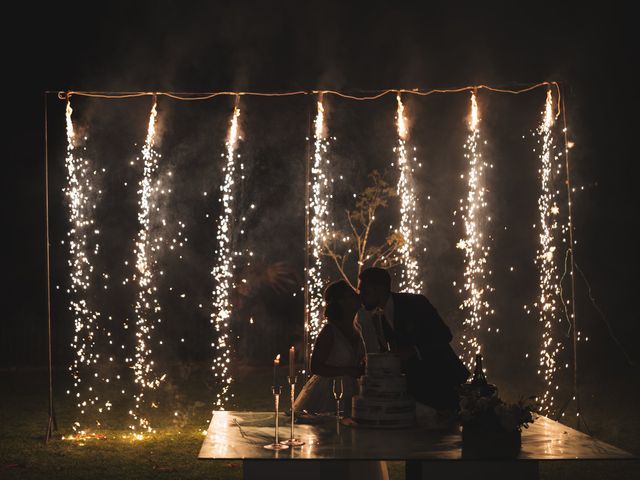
pixel 223 269
pixel 545 256
pixel 409 221
pixel 84 369
pixel 475 305
pixel 319 234
pixel 147 306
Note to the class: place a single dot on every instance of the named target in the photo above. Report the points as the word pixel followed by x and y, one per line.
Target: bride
pixel 338 354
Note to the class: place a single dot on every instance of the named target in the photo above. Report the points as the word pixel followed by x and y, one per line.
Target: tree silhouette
pixel 345 248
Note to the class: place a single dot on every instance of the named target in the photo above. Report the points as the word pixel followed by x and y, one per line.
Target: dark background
pixel 279 46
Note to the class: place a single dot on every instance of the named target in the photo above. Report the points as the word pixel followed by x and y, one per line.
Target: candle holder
pixel 276 445
pixel 292 442
pixel 338 391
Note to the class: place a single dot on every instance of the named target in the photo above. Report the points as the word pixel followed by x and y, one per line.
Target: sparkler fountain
pixel 87 329
pixel 223 269
pixel 545 255
pixel 475 305
pixel 147 306
pixel 319 228
pixel 409 221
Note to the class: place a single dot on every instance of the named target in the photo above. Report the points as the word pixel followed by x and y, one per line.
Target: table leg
pixel 472 470
pixel 313 470
pixel 277 470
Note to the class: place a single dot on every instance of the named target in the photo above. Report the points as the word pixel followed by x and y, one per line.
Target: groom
pixel 407 324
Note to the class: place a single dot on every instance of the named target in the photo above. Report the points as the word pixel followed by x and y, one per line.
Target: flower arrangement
pixel 492 428
pixel 492 414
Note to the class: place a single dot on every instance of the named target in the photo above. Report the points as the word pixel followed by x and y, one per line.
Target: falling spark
pixel 409 222
pixel 147 307
pixel 545 259
pixel 85 365
pixel 318 206
pixel 223 269
pixel 476 285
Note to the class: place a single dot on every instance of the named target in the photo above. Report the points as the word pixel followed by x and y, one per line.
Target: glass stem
pixel 277 401
pixel 293 388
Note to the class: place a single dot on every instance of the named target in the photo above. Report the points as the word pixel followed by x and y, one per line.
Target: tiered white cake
pixel 383 400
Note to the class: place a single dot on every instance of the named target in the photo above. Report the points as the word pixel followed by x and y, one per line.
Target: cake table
pixel 430 451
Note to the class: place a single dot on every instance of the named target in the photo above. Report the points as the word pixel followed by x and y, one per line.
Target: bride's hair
pixel 332 294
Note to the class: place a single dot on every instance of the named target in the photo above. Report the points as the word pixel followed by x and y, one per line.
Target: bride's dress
pixel 317 397
pixel 317 394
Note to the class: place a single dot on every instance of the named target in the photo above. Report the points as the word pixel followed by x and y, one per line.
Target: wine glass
pixel 338 392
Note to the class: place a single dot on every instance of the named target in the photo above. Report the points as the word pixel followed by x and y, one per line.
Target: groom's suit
pixel 435 372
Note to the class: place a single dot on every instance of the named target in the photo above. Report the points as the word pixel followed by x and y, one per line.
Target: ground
pixel 172 452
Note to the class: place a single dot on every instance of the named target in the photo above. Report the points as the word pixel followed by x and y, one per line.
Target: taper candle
pixel 292 362
pixel 276 362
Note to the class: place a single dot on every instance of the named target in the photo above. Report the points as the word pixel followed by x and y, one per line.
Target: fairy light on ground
pixel 85 371
pixel 409 222
pixel 83 436
pixel 475 305
pixel 147 307
pixel 223 268
pixel 318 206
pixel 545 256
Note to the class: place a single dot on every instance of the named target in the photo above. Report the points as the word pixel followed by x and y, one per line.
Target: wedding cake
pixel 383 400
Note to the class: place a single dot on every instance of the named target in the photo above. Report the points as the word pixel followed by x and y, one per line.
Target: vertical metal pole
pixel 573 282
pixel 307 219
pixel 51 422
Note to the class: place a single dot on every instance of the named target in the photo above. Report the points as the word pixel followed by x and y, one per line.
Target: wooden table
pixel 430 450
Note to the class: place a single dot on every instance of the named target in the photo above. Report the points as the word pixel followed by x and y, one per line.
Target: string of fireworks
pixel 86 320
pixel 223 269
pixel 318 206
pixel 476 249
pixel 545 255
pixel 147 307
pixel 409 222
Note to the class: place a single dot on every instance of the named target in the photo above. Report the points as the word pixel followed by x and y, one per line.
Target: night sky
pixel 280 46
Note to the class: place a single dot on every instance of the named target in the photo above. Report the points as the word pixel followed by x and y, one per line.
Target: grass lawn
pixel 172 452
